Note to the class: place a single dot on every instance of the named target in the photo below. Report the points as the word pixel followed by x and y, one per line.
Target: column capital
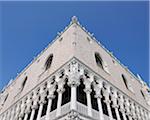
pixel 74 73
pixel 107 101
pixel 87 84
pixel 51 89
pixel 115 106
pixel 88 90
pixel 28 104
pixel 114 97
pixel 61 84
pixel 50 96
pixel 60 90
pixel 51 86
pixel 122 110
pixel 35 100
pixel 106 94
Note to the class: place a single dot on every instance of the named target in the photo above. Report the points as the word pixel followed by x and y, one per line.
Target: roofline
pixel 74 20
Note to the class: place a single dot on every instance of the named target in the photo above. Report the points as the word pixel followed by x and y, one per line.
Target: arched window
pixel 54 101
pixel 125 80
pixel 45 105
pixel 48 62
pixel 81 95
pixel 23 83
pixel 113 111
pixel 4 98
pixel 66 94
pixel 142 94
pixel 99 60
pixel 104 106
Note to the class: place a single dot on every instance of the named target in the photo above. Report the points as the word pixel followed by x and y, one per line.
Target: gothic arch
pixel 48 62
pixel 99 60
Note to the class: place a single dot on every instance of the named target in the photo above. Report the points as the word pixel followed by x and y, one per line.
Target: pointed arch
pixel 125 81
pixel 66 96
pixel 23 83
pixel 81 95
pixel 48 62
pixel 99 60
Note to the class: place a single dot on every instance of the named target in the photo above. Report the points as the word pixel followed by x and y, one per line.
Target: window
pixel 125 80
pixel 99 60
pixel 48 62
pixel 54 101
pixel 23 83
pixel 4 98
pixel 81 95
pixel 45 105
pixel 142 94
pixel 66 94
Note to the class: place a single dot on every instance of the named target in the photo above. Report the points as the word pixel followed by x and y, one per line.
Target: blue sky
pixel 26 28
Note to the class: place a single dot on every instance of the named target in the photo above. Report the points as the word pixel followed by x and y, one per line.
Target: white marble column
pixel 60 91
pixel 73 97
pixel 40 111
pixel 8 114
pixel 97 89
pixel 74 74
pixel 12 113
pixel 21 115
pixel 106 94
pixel 115 106
pixel 18 109
pixel 127 105
pixel 137 112
pixel 88 90
pixel 35 104
pixel 132 109
pixel 32 113
pixel 89 105
pixel 4 116
pixel 149 115
pixel 121 104
pixel 146 114
pixel 51 89
pixel 42 94
pixel 28 106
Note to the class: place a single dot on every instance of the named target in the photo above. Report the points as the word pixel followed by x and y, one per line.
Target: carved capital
pixel 74 73
pixel 51 96
pixel 61 84
pixel 88 90
pixel 106 94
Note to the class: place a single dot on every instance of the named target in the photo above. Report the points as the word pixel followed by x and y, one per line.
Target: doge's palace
pixel 75 78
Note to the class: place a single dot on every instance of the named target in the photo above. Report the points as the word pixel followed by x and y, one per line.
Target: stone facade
pixel 75 78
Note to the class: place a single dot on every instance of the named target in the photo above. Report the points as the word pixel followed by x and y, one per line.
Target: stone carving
pixel 73 115
pixel 74 73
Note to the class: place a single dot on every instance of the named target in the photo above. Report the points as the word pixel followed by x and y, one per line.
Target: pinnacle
pixel 74 19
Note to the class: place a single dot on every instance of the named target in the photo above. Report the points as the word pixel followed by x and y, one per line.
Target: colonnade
pixel 30 107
